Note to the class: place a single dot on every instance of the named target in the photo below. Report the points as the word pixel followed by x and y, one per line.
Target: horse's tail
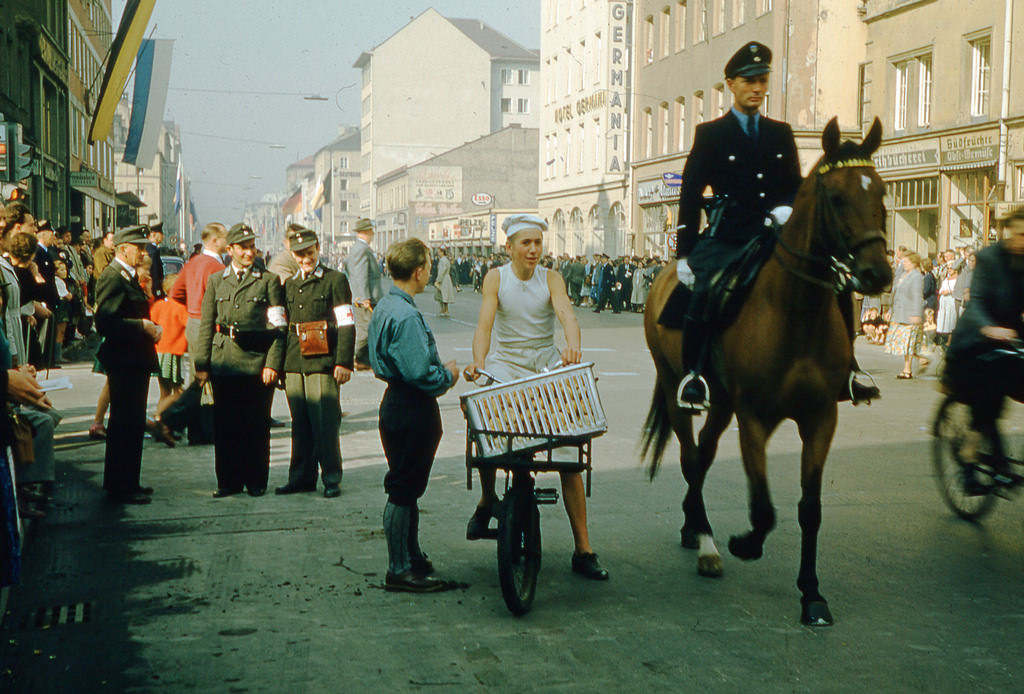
pixel 656 432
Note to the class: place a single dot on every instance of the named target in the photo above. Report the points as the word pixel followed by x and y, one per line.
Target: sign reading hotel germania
pixel 618 70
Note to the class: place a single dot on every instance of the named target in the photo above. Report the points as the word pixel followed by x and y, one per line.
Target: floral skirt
pixel 170 368
pixel 903 339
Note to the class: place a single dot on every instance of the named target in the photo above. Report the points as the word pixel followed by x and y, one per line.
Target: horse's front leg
pixel 696 461
pixel 753 439
pixel 817 437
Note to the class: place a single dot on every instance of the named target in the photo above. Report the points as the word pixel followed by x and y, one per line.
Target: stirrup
pixel 690 406
pixel 849 385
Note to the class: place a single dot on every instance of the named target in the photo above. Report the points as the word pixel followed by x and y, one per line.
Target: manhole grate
pixel 46 617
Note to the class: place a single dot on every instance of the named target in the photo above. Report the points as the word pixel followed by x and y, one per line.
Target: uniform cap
pixel 303 239
pixel 240 233
pixel 753 59
pixel 515 223
pixel 135 234
pixel 363 224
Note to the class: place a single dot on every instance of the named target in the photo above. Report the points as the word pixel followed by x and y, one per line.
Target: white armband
pixel 276 317
pixel 344 315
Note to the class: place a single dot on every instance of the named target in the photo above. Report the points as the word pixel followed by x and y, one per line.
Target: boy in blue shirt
pixel 403 354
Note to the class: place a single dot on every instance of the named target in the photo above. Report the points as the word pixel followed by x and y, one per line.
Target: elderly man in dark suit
pixel 128 355
pixel 993 319
pixel 364 275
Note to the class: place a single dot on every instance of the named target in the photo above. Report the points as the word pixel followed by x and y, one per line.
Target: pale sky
pixel 291 47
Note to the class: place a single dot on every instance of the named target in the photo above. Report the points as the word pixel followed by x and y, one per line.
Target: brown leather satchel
pixel 312 338
pixel 21 446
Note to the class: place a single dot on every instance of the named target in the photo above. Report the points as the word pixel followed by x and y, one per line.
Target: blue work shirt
pixel 402 347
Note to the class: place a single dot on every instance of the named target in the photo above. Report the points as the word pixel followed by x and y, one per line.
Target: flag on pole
pixel 178 184
pixel 152 73
pixel 191 215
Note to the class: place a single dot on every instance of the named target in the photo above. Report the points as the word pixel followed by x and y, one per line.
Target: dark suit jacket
pixel 121 305
pixel 756 177
pixel 997 298
pixel 44 261
pixel 156 271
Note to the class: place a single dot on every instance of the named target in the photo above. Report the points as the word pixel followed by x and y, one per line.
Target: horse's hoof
pixel 817 614
pixel 741 547
pixel 689 538
pixel 709 566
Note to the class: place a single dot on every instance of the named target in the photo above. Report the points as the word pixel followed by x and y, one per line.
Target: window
pixel 342 206
pixel 664 32
pixel 507 76
pixel 506 105
pixel 680 25
pixel 738 8
pixel 597 57
pixel 584 60
pixel 666 126
pixel 342 184
pixel 597 143
pixel 981 75
pixel 681 124
pixel 719 100
pixel 1019 177
pixel 568 74
pixel 718 7
pixel 343 163
pixel 764 7
pixel 649 39
pixel 568 152
pixel 924 91
pixel 864 93
pixel 899 116
pixel 548 160
pixel 648 134
pixel 582 147
pixel 522 106
pixel 524 76
pixel 698 109
pixel 700 20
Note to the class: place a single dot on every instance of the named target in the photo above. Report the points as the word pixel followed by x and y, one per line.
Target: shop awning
pixel 130 199
pixel 89 183
pixel 988 164
pixel 122 54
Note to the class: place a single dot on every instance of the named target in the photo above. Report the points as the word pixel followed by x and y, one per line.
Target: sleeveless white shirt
pixel 525 317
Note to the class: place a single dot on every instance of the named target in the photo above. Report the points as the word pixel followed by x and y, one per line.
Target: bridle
pixel 839 251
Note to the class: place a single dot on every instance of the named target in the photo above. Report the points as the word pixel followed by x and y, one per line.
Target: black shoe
pixel 411 582
pixel 294 489
pixel 477 528
pixel 586 565
pixel 258 492
pixel 148 491
pixel 332 491
pixel 694 393
pixel 131 498
pixel 858 392
pixel 423 567
pixel 222 493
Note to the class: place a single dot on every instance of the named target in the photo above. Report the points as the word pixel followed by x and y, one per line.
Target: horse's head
pixel 850 207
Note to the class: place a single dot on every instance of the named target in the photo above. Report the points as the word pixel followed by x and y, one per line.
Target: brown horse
pixel 786 356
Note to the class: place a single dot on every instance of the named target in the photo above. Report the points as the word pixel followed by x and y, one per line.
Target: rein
pixel 839 259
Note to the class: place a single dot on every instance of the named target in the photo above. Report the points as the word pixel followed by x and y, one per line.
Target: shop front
pixel 968 164
pixel 659 203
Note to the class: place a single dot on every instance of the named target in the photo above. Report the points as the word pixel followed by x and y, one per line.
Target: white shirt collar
pixel 126 266
pixel 207 251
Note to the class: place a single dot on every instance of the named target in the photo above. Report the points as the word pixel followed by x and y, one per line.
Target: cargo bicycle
pixel 542 423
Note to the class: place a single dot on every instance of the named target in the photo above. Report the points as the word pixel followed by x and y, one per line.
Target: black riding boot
pixel 855 391
pixel 693 390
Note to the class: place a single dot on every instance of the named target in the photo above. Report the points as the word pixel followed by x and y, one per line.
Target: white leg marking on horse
pixel 707 546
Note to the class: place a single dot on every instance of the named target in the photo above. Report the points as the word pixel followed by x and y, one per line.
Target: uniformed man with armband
pixel 240 350
pixel 318 361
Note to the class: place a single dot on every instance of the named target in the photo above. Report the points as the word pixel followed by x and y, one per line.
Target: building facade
pixel 34 93
pixel 434 85
pixel 458 199
pixel 336 189
pixel 682 49
pixel 586 79
pixel 950 96
pixel 91 166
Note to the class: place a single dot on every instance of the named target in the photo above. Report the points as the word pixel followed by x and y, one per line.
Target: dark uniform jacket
pixel 121 306
pixel 314 299
pixel 756 177
pixel 997 298
pixel 235 336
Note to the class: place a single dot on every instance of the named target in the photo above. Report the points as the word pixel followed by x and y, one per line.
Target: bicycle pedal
pixel 545 496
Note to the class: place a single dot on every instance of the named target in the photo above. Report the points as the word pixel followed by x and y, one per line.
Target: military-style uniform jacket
pixel 237 334
pixel 121 306
pixel 756 177
pixel 312 299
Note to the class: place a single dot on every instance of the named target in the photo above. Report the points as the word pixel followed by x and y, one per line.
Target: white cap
pixel 513 224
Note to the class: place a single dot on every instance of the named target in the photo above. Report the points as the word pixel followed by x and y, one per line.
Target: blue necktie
pixel 752 127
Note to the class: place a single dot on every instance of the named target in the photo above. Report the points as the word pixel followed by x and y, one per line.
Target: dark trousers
pixel 241 431
pixel 410 430
pixel 985 383
pixel 315 404
pixel 122 464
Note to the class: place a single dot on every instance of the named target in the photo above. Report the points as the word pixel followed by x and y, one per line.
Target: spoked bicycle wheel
pixel 951 429
pixel 519 548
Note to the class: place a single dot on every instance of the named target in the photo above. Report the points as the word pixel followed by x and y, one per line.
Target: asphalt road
pixel 284 594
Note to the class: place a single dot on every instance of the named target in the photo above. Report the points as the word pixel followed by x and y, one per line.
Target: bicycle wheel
pixel 518 549
pixel 952 424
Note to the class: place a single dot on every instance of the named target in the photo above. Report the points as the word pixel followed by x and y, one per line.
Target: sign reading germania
pixel 618 69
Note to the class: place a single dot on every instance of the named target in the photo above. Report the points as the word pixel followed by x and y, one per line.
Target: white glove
pixel 780 214
pixel 684 274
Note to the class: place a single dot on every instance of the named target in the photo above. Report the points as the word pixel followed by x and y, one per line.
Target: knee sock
pixel 415 553
pixel 397 522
